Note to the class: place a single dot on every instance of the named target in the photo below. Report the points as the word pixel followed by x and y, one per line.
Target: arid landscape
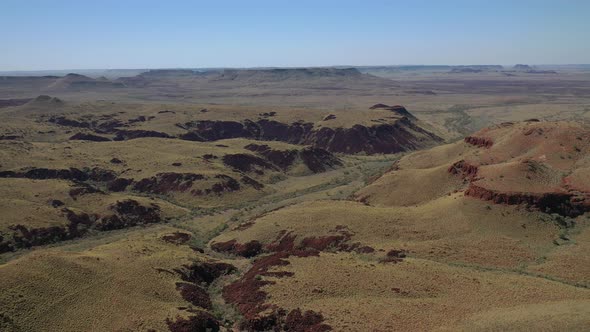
pixel 391 198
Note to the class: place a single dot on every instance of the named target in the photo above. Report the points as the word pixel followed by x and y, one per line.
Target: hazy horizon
pixel 71 35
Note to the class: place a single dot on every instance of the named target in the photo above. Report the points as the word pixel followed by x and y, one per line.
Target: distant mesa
pixel 78 82
pixel 475 69
pixel 522 67
pixel 465 70
pixel 281 74
pixel 532 70
pixel 168 72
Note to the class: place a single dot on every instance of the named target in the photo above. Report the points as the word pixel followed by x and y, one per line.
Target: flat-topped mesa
pixel 78 82
pixel 482 142
pixel 285 74
pixel 401 135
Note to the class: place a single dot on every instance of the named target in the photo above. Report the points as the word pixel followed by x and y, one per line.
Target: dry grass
pixel 112 285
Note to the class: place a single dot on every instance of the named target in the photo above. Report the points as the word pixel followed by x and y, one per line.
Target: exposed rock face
pixel 248 163
pixel 63 121
pixel 164 183
pixel 382 138
pixel 119 184
pixel 319 160
pixel 398 136
pixel 248 295
pixel 563 203
pixel 123 135
pixel 249 249
pixel 197 276
pixel 397 109
pixel 281 158
pixel 129 213
pixel 482 142
pixel 201 321
pixel 194 294
pixel 73 174
pixel 9 137
pixel 204 272
pixel 519 169
pixel 464 169
pixel 107 125
pixel 316 159
pixel 89 137
pixel 126 213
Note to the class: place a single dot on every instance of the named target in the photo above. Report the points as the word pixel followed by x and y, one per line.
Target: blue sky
pixel 87 34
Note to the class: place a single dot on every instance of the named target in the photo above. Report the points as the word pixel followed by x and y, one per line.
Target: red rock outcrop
pixel 398 109
pixel 126 213
pixel 482 142
pixel 316 159
pixel 563 203
pixel 247 294
pixel 464 169
pixel 164 183
pixel 201 321
pixel 382 138
pixel 244 162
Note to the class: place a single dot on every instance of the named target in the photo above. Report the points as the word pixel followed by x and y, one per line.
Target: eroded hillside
pixel 147 216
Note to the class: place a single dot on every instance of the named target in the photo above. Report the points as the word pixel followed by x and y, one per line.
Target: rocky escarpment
pixel 563 203
pixel 402 135
pixel 397 109
pixel 86 179
pixel 72 173
pixel 106 124
pixel 89 137
pixel 316 159
pixel 166 183
pixel 482 142
pixel 399 135
pixel 122 214
pixel 464 169
pixel 560 200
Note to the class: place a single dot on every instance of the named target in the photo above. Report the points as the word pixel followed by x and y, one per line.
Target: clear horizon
pixel 74 35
